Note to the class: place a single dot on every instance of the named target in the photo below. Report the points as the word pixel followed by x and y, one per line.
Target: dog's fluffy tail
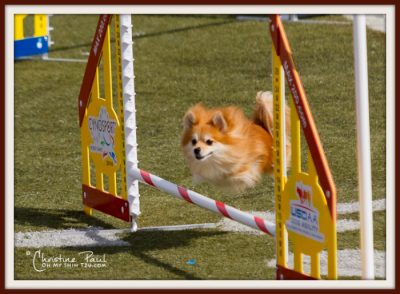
pixel 262 116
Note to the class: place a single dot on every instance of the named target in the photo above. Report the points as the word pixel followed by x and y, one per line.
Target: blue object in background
pixel 31 46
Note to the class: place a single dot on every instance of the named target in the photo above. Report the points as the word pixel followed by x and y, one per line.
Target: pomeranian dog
pixel 229 151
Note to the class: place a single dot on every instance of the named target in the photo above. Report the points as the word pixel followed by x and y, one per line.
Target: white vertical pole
pixel 49 29
pixel 129 114
pixel 363 143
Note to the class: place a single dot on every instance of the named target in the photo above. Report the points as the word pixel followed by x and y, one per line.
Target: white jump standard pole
pixel 204 202
pixel 363 143
pixel 128 87
pixel 129 95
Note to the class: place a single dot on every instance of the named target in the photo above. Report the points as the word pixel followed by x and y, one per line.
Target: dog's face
pixel 203 134
pixel 202 143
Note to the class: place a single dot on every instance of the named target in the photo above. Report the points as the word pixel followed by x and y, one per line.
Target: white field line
pixel 341 225
pixel 41 239
pixel 348 263
pixel 343 208
pixel 44 239
pixel 375 22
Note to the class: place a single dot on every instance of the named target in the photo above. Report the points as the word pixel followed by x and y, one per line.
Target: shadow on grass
pixel 56 219
pixel 152 34
pixel 143 243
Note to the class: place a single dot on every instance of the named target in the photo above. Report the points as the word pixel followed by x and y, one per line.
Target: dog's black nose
pixel 197 151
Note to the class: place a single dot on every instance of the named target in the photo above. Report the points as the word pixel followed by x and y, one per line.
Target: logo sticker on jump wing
pixel 102 131
pixel 304 193
pixel 304 217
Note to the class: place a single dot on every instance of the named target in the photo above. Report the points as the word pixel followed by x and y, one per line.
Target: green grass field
pixel 181 60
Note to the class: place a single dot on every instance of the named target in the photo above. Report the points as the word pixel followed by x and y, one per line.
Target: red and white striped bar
pixel 204 202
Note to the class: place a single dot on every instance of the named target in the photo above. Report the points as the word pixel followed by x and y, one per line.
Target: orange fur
pixel 227 150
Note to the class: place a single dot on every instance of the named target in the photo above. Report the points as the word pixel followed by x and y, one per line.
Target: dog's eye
pixel 209 142
pixel 194 141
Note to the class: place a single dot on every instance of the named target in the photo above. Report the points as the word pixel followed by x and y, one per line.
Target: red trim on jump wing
pixel 222 209
pixel 92 63
pixel 146 178
pixel 184 193
pixel 105 202
pixel 283 50
pixel 260 223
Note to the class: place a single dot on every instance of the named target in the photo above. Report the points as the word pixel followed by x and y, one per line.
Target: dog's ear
pixel 219 121
pixel 189 120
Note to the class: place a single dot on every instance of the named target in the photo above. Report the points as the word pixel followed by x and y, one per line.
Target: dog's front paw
pixel 197 179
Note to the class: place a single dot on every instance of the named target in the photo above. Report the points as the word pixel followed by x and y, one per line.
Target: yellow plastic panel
pixel 301 206
pixel 306 213
pixel 279 150
pixel 19 26
pixel 40 21
pixel 101 130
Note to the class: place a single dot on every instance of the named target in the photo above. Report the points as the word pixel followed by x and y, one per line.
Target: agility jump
pixel 39 43
pixel 305 209
pixel 26 47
